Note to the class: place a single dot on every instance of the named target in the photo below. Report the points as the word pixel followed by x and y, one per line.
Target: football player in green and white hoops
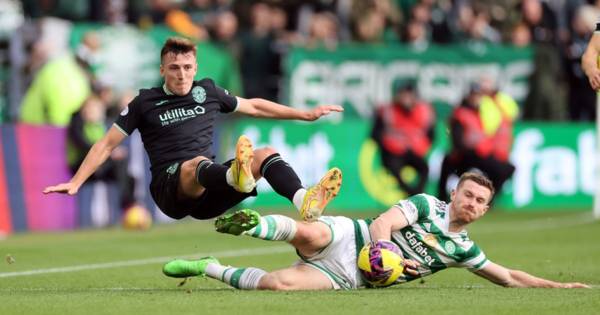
pixel 430 233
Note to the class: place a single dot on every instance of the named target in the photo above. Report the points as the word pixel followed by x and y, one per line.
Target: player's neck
pixel 455 225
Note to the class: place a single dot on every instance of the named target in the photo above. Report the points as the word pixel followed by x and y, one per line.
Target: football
pixel 137 218
pixel 380 263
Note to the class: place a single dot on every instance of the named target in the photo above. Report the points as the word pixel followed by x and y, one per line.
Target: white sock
pixel 243 278
pixel 229 178
pixel 274 228
pixel 298 198
pixel 215 271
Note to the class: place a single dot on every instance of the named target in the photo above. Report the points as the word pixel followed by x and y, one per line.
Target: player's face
pixel 470 201
pixel 179 71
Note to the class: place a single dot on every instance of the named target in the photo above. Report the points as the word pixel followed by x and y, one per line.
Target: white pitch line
pixel 147 261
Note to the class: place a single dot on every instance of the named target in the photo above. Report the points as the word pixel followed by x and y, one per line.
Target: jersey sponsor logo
pixel 418 247
pixel 125 111
pixel 430 240
pixel 180 114
pixel 161 102
pixel 199 94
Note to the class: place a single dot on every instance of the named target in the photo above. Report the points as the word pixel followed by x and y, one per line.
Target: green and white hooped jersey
pixel 427 240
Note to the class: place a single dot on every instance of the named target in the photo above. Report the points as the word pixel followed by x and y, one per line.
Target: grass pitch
pixel 112 271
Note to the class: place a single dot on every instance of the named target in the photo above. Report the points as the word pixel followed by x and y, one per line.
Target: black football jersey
pixel 176 128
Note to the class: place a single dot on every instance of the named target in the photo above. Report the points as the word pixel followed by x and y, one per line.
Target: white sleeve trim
pixel 237 104
pixel 120 129
pixel 472 263
pixel 411 213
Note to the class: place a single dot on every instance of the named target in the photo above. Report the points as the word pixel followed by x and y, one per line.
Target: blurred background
pixel 430 89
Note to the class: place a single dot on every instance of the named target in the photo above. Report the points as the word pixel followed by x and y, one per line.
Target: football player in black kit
pixel 176 124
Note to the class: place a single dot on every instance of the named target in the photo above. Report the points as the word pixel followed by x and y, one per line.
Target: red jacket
pixel 472 135
pixel 405 130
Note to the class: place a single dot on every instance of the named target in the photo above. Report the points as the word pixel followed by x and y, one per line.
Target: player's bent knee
pixel 190 165
pixel 263 153
pixel 314 231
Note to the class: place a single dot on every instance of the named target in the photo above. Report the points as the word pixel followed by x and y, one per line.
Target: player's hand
pixel 594 79
pixel 64 188
pixel 410 267
pixel 323 110
pixel 575 285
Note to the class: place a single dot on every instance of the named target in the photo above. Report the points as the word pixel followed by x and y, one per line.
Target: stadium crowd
pixel 261 32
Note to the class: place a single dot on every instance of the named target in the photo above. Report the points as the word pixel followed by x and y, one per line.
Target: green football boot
pixel 238 222
pixel 181 268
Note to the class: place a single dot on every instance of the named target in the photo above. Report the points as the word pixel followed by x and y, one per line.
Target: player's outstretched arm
pixel 391 220
pixel 258 107
pixel 589 61
pixel 97 155
pixel 520 279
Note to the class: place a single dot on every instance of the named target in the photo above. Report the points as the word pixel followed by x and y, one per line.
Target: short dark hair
pixel 177 45
pixel 404 85
pixel 479 179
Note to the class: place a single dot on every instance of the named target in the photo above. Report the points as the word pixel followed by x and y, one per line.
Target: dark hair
pixel 177 45
pixel 479 179
pixel 404 85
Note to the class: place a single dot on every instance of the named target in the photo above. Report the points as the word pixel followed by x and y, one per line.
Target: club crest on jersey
pixel 199 94
pixel 172 169
pixel 450 247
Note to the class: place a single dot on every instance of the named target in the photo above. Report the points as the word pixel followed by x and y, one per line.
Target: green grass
pixel 559 246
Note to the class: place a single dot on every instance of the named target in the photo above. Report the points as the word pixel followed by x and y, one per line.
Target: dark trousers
pixel 394 163
pixel 457 163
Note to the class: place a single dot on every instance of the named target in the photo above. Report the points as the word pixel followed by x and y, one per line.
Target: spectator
pixel 546 99
pixel 482 31
pixel 520 36
pixel 109 11
pixel 415 35
pixel 72 10
pixel 323 31
pixel 441 12
pixel 404 132
pixel 471 146
pixel 154 12
pixel 183 23
pixel 224 32
pixel 258 75
pixel 498 111
pixel 87 126
pixel 369 28
pixel 49 101
pixel 581 99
